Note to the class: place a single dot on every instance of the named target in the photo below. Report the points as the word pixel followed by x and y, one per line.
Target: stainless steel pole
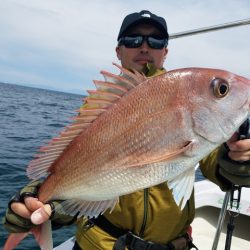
pixel 210 28
pixel 221 220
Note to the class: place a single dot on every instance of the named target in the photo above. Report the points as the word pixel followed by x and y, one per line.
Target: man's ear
pixel 118 52
pixel 166 52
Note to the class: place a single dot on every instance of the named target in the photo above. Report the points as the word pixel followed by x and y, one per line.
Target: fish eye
pixel 220 87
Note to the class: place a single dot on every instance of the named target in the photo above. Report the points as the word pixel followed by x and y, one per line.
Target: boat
pixel 208 204
pixel 209 201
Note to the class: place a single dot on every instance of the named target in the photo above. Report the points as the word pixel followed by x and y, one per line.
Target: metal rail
pixel 210 28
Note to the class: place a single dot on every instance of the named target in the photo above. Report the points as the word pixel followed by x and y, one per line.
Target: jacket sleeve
pixel 210 169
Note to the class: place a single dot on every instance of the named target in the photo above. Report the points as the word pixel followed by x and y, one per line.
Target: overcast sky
pixel 63 44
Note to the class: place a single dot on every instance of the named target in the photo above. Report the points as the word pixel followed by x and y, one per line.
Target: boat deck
pixel 204 228
pixel 209 200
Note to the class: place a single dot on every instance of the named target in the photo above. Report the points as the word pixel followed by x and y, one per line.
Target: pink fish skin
pixel 135 132
pixel 13 240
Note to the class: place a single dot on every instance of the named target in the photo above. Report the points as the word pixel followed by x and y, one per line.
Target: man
pixel 147 219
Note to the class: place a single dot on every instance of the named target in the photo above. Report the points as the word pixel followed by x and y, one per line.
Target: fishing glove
pixel 17 224
pixel 237 173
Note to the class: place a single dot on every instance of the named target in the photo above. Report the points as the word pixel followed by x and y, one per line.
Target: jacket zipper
pixel 145 214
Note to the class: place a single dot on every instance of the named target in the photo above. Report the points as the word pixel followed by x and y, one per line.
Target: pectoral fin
pixel 161 157
pixel 182 187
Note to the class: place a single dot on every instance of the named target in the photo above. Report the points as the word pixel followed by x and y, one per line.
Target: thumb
pixel 41 215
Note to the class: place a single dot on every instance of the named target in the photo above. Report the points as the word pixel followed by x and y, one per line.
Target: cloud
pixel 64 44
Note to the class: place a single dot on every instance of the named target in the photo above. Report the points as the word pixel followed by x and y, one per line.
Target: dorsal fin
pixel 107 92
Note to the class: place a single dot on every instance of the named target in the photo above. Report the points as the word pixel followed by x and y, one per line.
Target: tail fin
pixel 42 234
pixel 13 240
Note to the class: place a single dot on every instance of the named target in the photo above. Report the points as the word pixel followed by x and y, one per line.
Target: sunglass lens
pixel 133 41
pixel 156 43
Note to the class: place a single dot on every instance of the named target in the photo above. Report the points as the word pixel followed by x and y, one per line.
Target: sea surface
pixel 29 118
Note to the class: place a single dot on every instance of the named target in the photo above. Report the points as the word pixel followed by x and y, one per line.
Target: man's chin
pixel 140 67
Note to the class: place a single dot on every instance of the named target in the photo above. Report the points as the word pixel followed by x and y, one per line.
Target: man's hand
pixel 32 209
pixel 234 161
pixel 25 211
pixel 239 150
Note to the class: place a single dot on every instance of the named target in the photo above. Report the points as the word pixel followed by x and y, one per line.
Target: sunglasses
pixel 136 41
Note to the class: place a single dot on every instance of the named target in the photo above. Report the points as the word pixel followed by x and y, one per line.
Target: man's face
pixel 136 58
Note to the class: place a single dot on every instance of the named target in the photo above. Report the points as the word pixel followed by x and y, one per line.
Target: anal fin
pixel 86 208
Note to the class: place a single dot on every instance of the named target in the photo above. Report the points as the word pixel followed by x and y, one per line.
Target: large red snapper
pixel 134 132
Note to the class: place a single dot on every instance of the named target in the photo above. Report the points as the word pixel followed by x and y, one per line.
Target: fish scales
pixel 109 146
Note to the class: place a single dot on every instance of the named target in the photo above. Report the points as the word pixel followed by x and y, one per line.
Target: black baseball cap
pixel 144 16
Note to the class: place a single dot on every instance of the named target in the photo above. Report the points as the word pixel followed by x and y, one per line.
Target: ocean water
pixel 29 118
